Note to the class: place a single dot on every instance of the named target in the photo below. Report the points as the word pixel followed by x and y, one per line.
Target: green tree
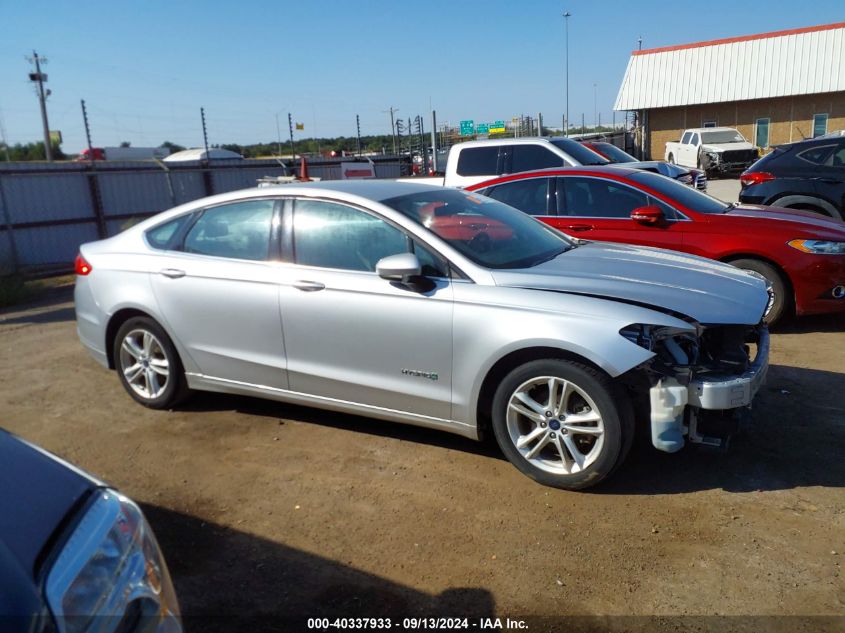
pixel 33 151
pixel 173 147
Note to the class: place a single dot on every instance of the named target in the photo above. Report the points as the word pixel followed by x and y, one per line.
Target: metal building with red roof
pixel 773 87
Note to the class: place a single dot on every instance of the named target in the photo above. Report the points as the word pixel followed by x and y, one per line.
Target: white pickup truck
pixel 472 162
pixel 715 150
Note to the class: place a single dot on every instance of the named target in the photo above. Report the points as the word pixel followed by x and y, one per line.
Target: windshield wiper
pixel 552 256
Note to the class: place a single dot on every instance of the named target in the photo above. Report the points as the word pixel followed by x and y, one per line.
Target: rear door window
pixel 598 198
pixel 237 231
pixel 838 159
pixel 819 155
pixel 530 157
pixel 478 161
pixel 163 236
pixel 686 138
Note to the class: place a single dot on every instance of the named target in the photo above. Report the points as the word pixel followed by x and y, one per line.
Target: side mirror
pixel 399 267
pixel 651 214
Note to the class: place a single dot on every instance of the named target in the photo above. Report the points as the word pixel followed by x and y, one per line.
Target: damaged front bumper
pixel 676 408
pixel 698 383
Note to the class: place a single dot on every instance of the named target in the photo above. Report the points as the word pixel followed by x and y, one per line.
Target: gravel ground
pixel 289 512
pixel 727 189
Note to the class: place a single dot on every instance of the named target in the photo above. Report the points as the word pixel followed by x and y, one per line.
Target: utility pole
pixel 358 126
pixel 399 125
pixel 87 131
pixel 39 78
pixel 566 16
pixel 595 106
pixel 640 43
pixel 278 136
pixel 290 126
pixel 3 138
pixel 204 133
pixel 539 124
pixel 434 164
pixel 392 126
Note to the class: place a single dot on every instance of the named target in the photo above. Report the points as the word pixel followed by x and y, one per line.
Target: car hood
pixel 721 147
pixel 707 291
pixel 807 219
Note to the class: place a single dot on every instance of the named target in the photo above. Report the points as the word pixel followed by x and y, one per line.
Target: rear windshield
pixel 614 153
pixel 583 155
pixel 684 195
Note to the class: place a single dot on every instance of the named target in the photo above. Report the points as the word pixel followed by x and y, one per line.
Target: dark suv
pixel 807 175
pixel 75 555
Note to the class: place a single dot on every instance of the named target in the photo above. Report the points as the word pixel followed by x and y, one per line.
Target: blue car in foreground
pixel 75 555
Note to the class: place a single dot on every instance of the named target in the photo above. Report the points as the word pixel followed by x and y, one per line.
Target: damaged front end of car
pixel 701 380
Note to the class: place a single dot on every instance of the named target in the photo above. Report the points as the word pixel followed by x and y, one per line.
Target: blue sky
pixel 145 68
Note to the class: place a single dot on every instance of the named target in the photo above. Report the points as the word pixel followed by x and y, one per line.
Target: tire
pixel 148 365
pixel 782 304
pixel 671 159
pixel 562 455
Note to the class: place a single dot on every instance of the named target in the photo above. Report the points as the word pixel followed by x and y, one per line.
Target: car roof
pixel 712 129
pixel 598 170
pixel 805 142
pixel 505 141
pixel 376 190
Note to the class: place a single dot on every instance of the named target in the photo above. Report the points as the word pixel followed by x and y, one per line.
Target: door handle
pixel 308 286
pixel 173 273
pixel 578 227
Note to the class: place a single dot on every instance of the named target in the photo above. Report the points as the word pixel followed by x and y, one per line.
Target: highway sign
pixel 467 128
pixel 481 128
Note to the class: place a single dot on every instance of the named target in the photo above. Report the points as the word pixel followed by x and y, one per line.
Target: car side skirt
pixel 201 382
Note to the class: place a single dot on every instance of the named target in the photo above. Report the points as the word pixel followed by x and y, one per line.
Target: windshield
pixel 615 154
pixel 722 136
pixel 484 230
pixel 583 155
pixel 684 195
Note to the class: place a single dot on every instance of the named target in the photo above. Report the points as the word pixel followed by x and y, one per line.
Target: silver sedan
pixel 429 306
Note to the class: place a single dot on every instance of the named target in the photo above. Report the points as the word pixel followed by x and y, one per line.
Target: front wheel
pixel 779 302
pixel 562 423
pixel 148 365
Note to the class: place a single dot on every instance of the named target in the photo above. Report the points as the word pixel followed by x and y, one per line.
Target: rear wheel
pixel 148 365
pixel 561 423
pixel 781 302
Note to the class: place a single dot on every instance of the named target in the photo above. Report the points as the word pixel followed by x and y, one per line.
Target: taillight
pixel 755 178
pixel 81 265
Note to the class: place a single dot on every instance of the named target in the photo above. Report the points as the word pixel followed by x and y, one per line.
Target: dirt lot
pixel 263 508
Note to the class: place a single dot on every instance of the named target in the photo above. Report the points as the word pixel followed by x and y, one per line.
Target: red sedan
pixel 802 254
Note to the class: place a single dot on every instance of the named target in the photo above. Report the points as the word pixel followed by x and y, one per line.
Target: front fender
pixel 493 322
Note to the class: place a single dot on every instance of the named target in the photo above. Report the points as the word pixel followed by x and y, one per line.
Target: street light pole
pixel 566 15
